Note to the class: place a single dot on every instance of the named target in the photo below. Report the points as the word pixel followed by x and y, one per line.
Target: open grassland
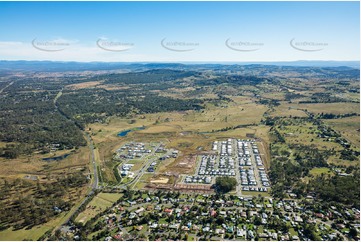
pixel 137 164
pixel 274 95
pixel 255 194
pixel 335 108
pixel 84 85
pixel 335 160
pixel 287 109
pixel 99 203
pixel 306 134
pixel 212 118
pixel 144 180
pixel 348 127
pixel 34 165
pixel 319 171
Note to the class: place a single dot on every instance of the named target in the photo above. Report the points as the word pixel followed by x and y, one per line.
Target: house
pixel 153 226
pixel 206 229
pixel 298 219
pixel 240 232
pixel 264 221
pixel 250 234
pixel 186 208
pixel 138 211
pixel 169 211
pixel 219 231
pixel 263 235
pixel 340 226
pixel 288 208
pixel 185 228
pixel 229 203
pixel 132 203
pixel 132 215
pixel 118 236
pixel 213 213
pixel 295 237
pixel 174 226
pixel 195 227
pixel 219 201
pixel 252 213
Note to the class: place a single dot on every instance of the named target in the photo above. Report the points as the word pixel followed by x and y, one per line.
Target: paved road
pixel 95 184
pixel 140 173
pixel 1 90
pixel 95 180
pixel 144 168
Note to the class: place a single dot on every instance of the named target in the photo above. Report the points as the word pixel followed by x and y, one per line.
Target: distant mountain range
pixel 83 66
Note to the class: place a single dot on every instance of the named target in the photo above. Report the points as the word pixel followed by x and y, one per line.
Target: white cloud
pixel 72 51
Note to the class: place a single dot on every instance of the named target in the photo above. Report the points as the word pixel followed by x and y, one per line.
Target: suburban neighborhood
pixel 141 215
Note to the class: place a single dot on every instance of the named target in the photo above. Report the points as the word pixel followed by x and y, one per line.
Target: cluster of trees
pixel 349 154
pixel 28 116
pixel 324 97
pixel 269 102
pixel 151 76
pixel 290 95
pixel 225 184
pixel 341 189
pixel 336 116
pixel 232 80
pixel 29 120
pixel 292 162
pixel 25 204
pixel 87 106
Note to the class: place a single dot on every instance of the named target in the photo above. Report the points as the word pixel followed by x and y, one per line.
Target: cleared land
pixel 100 202
pixel 348 127
pixel 335 108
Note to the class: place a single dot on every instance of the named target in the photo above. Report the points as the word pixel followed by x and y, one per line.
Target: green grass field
pixel 99 203
pixel 319 171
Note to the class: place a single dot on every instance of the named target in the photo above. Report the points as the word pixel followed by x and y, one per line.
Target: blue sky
pixel 191 31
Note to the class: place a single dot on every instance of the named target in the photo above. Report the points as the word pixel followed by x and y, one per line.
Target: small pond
pixel 125 132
